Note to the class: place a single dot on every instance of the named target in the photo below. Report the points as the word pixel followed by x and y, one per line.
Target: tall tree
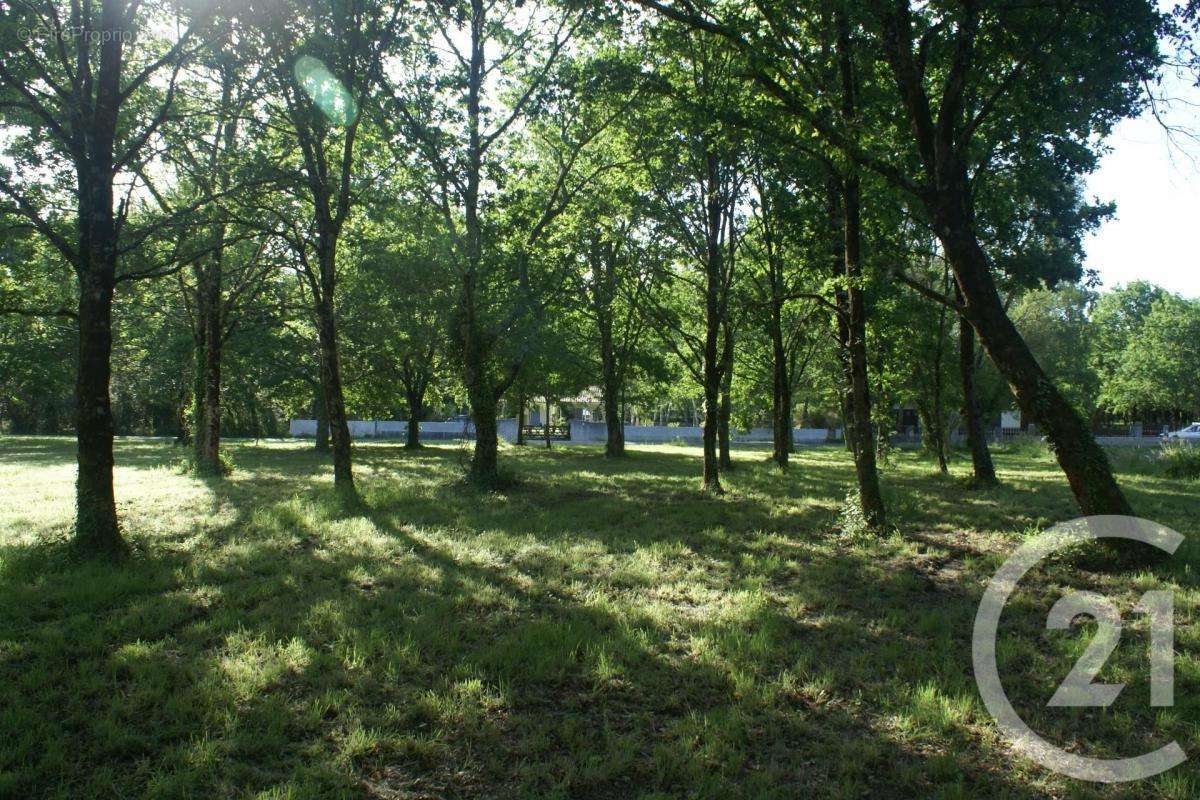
pixel 490 85
pixel 91 96
pixel 613 285
pixel 699 179
pixel 974 85
pixel 323 57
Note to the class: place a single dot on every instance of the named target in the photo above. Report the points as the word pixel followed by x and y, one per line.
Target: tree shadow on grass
pixel 556 640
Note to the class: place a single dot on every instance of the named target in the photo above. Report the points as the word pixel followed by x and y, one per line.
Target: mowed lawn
pixel 599 630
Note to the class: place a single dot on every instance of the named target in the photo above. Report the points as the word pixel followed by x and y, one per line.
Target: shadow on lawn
pixel 405 651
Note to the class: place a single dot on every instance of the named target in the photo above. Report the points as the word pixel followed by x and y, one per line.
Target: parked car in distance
pixel 1189 434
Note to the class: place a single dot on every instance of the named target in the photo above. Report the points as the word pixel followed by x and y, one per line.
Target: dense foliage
pixel 222 216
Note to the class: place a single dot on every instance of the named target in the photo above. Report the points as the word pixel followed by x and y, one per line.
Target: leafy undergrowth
pixel 596 630
pixel 1181 461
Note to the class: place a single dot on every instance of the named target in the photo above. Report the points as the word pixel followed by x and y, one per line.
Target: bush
pixel 852 522
pixel 1181 461
pixel 1024 446
pixel 190 466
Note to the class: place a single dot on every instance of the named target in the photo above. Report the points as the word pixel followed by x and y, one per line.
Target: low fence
pixel 579 432
pixel 597 432
pixel 393 429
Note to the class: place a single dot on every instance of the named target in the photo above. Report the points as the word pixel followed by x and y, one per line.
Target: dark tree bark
pixel 183 432
pixel 322 437
pixel 209 316
pixel 198 361
pixel 852 304
pixel 935 423
pixel 96 527
pixel 859 427
pixel 781 391
pixel 725 458
pixel 416 375
pixel 981 456
pixel 776 296
pixel 942 142
pixel 335 403
pixel 328 174
pixel 714 274
pixel 416 411
pixel 1082 460
pixel 484 467
pixel 611 373
pixel 546 426
pixel 520 419
pixel 943 138
pixel 209 334
pixel 614 422
pixel 482 392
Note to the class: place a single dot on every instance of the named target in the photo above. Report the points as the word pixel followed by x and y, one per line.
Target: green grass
pixel 599 630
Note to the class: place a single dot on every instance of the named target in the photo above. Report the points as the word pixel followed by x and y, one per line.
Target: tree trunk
pixel 208 448
pixel 1082 460
pixel 198 351
pixel 484 466
pixel 335 404
pixel 416 410
pixel 712 390
pixel 96 528
pixel 521 419
pixel 781 394
pixel 614 441
pixel 210 307
pixel 981 457
pixel 482 395
pixel 610 386
pixel 724 457
pixel 713 318
pixel 322 438
pixel 183 433
pixel 97 531
pixel 938 423
pixel 546 428
pixel 859 426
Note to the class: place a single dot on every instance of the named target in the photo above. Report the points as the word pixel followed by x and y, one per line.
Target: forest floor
pixel 598 630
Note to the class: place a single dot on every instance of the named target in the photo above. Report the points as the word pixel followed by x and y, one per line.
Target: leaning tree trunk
pixel 981 457
pixel 724 457
pixel 1082 460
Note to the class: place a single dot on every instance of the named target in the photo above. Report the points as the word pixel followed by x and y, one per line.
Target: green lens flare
pixel 325 90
